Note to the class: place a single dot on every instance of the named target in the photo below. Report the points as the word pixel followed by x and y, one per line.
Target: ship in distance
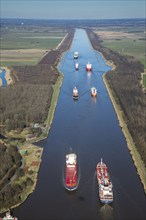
pixel 8 216
pixel 76 66
pixel 71 172
pixel 76 54
pixel 104 183
pixel 75 93
pixel 93 92
pixel 88 66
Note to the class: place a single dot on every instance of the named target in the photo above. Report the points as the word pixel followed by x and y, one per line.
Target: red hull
pixel 71 177
pixel 89 69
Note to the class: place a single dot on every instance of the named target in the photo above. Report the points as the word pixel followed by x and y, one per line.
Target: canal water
pixel 2 76
pixel 90 127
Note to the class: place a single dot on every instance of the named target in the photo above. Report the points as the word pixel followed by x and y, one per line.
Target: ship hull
pixel 88 69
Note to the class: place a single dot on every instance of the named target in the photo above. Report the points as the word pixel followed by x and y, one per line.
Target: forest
pixel 27 101
pixel 125 82
pixel 11 162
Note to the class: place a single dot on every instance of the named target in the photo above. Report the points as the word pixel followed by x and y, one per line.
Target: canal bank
pixel 130 143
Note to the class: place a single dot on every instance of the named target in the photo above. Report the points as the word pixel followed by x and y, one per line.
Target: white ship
pixel 88 66
pixel 76 66
pixel 93 91
pixel 75 93
pixel 76 54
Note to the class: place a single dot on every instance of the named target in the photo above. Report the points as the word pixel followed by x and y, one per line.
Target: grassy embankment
pixel 144 80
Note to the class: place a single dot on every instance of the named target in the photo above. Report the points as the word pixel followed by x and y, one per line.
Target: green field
pixel 130 47
pixel 20 42
pixel 24 39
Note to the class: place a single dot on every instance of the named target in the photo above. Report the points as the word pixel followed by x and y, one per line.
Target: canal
pixel 2 76
pixel 90 127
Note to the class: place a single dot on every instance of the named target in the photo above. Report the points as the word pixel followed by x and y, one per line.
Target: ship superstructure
pixel 76 54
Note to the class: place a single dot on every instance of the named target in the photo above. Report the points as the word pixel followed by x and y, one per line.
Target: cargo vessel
pixel 88 66
pixel 93 92
pixel 71 172
pixel 75 93
pixel 76 54
pixel 104 183
pixel 76 66
pixel 8 216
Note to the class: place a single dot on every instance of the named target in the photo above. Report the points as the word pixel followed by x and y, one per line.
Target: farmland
pixel 127 42
pixel 25 45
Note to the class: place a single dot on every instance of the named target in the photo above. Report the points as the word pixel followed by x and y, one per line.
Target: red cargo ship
pixel 88 66
pixel 71 172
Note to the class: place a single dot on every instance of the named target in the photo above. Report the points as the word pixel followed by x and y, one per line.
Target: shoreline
pixel 129 140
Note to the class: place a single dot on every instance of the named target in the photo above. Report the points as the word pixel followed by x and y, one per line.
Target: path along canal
pixel 91 128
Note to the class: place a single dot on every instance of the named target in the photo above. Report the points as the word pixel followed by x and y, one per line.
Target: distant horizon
pixel 75 19
pixel 73 9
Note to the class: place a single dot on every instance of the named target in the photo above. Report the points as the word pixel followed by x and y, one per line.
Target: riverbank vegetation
pixel 125 83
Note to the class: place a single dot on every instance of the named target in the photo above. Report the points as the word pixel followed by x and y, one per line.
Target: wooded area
pixel 10 172
pixel 28 99
pixel 125 81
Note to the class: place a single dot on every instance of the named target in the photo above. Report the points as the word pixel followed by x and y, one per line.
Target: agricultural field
pixel 26 45
pixel 126 41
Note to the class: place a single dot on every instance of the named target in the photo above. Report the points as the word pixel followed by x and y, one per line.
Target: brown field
pixel 112 35
pixel 22 54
